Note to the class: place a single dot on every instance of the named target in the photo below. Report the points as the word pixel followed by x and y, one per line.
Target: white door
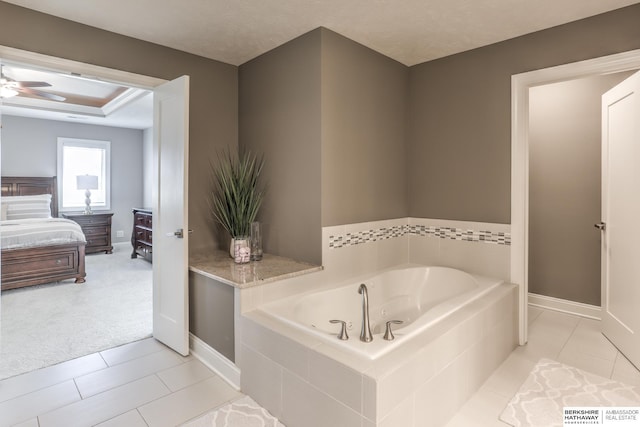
pixel 170 204
pixel 621 214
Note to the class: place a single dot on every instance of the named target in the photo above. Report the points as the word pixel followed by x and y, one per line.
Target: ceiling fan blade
pixel 34 84
pixel 42 94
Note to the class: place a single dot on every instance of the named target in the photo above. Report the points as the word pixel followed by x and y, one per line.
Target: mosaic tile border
pixel 367 236
pixel 452 233
pixel 484 236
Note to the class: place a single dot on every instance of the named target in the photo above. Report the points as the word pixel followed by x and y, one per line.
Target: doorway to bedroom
pixel 51 321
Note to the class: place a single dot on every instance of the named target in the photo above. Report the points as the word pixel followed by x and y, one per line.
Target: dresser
pixel 96 228
pixel 142 236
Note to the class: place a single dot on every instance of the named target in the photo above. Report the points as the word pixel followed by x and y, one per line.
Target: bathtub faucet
pixel 365 333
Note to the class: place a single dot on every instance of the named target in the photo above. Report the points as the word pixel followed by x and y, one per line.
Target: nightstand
pixel 96 228
pixel 142 234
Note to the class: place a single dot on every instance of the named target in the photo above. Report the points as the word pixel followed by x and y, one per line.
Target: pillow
pixel 4 207
pixel 22 207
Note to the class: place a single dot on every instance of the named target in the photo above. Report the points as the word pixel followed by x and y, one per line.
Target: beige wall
pixel 564 187
pixel 329 115
pixel 280 118
pixel 459 126
pixel 213 94
pixel 211 313
pixel 363 140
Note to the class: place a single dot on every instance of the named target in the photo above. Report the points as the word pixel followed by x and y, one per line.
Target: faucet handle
pixel 388 335
pixel 343 332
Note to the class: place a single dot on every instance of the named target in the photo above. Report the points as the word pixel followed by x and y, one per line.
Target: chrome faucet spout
pixel 365 332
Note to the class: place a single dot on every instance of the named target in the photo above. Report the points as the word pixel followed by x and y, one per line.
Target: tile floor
pixel 139 384
pixel 572 340
pixel 146 384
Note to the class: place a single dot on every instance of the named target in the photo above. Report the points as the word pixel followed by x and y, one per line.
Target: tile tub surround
pixel 475 247
pixel 350 261
pixel 337 241
pixel 304 382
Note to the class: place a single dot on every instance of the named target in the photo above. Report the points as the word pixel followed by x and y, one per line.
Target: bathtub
pixel 419 296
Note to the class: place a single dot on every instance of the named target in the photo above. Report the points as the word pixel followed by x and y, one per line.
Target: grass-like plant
pixel 237 193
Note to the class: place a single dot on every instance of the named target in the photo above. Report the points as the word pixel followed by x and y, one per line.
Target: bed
pixel 34 261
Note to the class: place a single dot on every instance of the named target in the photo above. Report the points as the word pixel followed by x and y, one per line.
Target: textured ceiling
pixel 410 31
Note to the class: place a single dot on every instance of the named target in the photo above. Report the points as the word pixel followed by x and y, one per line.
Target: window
pixel 83 157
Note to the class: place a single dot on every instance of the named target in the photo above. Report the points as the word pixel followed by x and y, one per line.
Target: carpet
pixel 552 385
pixel 243 412
pixel 47 324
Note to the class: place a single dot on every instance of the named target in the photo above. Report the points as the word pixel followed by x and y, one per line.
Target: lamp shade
pixel 7 92
pixel 87 182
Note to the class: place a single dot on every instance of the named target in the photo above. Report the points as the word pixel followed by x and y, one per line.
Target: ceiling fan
pixel 10 87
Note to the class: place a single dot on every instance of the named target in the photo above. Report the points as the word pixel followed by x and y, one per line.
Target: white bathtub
pixel 417 295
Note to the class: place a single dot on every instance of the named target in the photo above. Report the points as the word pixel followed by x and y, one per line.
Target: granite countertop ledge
pixel 219 266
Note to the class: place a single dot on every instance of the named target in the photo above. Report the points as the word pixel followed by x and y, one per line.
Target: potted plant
pixel 236 197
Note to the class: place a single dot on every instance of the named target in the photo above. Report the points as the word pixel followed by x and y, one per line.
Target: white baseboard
pixel 565 306
pixel 215 361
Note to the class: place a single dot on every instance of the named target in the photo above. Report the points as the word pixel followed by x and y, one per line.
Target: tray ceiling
pixel 85 100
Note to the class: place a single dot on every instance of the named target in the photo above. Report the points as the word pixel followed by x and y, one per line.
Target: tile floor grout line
pixel 40 388
pixel 233 399
pixel 161 348
pixel 113 388
pixel 141 416
pixel 77 388
pixel 126 383
pixel 215 408
pixel 103 359
pixel 573 331
pixel 615 361
pixel 162 381
pixel 44 388
pixel 214 375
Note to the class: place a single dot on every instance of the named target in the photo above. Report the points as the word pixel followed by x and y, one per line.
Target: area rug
pixel 244 412
pixel 47 324
pixel 551 386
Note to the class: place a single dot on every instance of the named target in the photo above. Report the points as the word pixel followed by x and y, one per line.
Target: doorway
pixel 565 182
pixel 521 84
pixel 145 83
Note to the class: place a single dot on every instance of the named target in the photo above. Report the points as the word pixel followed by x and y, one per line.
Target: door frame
pixel 86 70
pixel 520 85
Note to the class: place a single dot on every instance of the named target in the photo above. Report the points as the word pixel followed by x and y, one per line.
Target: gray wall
pixel 330 115
pixel 211 313
pixel 363 133
pixel 459 126
pixel 147 168
pixel 213 95
pixel 564 187
pixel 280 117
pixel 29 148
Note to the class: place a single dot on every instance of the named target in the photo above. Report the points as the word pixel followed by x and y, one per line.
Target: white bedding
pixel 35 232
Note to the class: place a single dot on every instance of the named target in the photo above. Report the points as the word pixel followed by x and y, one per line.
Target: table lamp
pixel 87 183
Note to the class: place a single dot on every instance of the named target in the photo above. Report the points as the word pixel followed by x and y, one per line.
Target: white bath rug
pixel 244 412
pixel 552 385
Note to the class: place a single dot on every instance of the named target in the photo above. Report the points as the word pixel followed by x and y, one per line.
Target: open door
pixel 620 216
pixel 170 215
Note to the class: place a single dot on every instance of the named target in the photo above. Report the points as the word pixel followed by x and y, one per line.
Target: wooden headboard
pixel 31 186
